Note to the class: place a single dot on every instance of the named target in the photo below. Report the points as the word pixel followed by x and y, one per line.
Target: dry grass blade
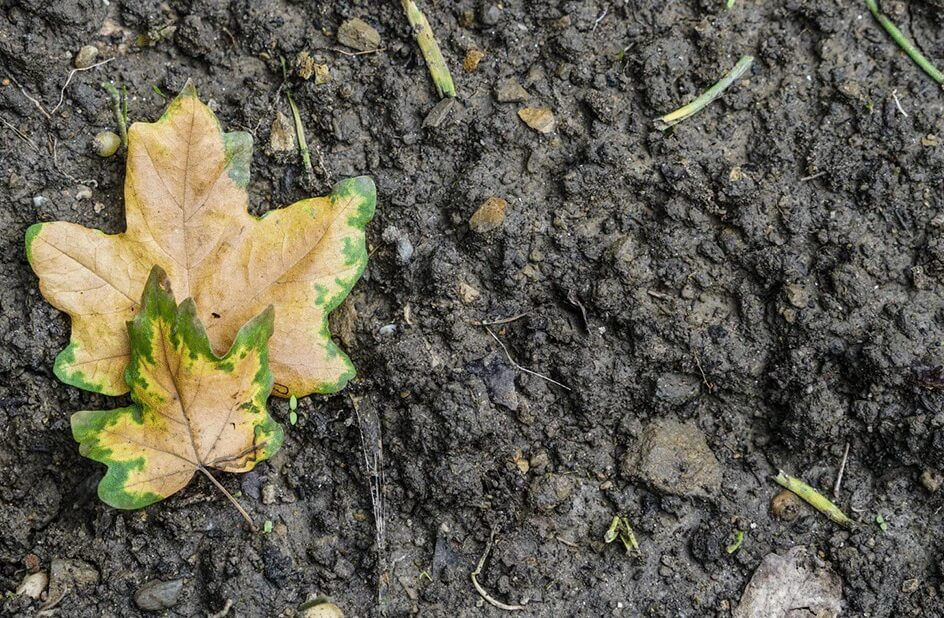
pixel 478 587
pixel 524 369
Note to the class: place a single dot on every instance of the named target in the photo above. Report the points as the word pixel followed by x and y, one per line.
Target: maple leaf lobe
pixel 192 409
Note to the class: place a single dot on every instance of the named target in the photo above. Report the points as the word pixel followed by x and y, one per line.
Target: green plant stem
pixel 300 136
pixel 120 108
pixel 904 43
pixel 815 499
pixel 707 96
pixel 435 62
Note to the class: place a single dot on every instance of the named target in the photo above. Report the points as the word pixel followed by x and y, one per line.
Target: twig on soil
pixel 19 134
pixel 46 609
pixel 372 449
pixel 524 369
pixel 62 92
pixel 574 300
pixel 478 586
pixel 567 542
pixel 815 499
pixel 345 52
pixel 600 18
pixel 906 45
pixel 231 498
pixel 898 104
pixel 35 102
pixel 842 469
pixel 513 318
pixel 435 62
pixel 707 96
pixel 55 162
pixel 119 103
pixel 812 176
pixel 704 378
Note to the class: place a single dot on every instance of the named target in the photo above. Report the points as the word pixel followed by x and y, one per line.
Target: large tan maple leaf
pixel 186 211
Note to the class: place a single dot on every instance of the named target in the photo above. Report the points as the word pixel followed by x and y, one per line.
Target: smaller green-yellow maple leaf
pixel 193 410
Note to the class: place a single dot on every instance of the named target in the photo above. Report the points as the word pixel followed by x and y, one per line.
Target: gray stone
pixel 791 585
pixel 70 575
pixel 490 15
pixel 358 34
pixel 677 388
pixel 510 91
pixel 156 595
pixel 268 493
pixel 86 57
pixel 439 112
pixel 932 480
pixel 550 491
pixel 674 458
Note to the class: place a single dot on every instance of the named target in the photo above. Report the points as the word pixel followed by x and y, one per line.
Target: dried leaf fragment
pixel 541 119
pixel 186 210
pixel 192 410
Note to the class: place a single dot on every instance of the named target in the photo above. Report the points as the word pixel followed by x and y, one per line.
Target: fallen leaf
pixel 541 119
pixel 186 210
pixel 192 409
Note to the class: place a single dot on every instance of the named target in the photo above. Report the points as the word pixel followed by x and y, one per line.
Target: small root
pixel 481 590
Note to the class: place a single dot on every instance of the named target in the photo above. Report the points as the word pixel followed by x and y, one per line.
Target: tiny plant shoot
pixel 700 102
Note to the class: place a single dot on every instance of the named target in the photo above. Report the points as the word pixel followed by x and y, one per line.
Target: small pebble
pixel 932 480
pixel 83 193
pixel 467 293
pixel 510 91
pixel 786 506
pixel 387 330
pixel 358 34
pixel 268 493
pixel 490 15
pixel 157 595
pixel 910 585
pixel 86 57
pixel 322 610
pixel 541 119
pixel 436 115
pixel 40 200
pixel 489 216
pixel 33 585
pixel 472 59
pixel 106 143
pixel 393 235
pixel 797 295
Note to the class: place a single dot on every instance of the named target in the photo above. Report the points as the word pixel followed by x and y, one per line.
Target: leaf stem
pixel 904 43
pixel 232 499
pixel 435 62
pixel 120 109
pixel 707 96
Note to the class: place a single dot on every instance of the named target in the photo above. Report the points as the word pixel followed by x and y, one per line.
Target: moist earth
pixel 758 287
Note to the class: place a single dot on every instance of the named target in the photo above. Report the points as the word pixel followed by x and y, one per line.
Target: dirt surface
pixel 749 291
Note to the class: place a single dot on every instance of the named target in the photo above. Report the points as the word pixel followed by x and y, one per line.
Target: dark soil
pixel 768 277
